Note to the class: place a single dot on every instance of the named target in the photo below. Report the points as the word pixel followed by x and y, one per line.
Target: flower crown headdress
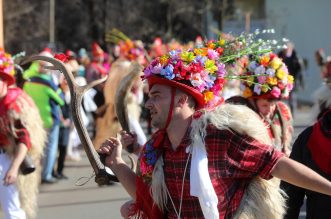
pixel 267 76
pixel 7 67
pixel 198 69
pixel 131 50
pixel 201 71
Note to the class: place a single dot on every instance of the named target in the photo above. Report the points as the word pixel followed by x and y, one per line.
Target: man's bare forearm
pixel 297 174
pixel 126 177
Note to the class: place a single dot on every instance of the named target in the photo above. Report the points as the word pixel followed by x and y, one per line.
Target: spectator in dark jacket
pixel 313 149
pixel 292 61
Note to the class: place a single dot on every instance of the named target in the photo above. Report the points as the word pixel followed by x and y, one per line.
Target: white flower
pixel 259 70
pixel 252 66
pixel 284 81
pixel 270 72
pixel 257 89
pixel 196 80
pixel 285 93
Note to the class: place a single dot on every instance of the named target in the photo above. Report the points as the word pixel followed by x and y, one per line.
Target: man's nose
pixel 148 104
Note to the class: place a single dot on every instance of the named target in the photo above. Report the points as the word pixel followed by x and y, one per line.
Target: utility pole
pixel 51 22
pixel 248 22
pixel 2 44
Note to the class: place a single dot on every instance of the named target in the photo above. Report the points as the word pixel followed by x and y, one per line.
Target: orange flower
pixel 208 96
pixel 201 51
pixel 164 60
pixel 211 45
pixel 272 80
pixel 247 92
pixel 265 60
pixel 129 43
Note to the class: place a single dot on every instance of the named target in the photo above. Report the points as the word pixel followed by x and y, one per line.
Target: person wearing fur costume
pixel 129 53
pixel 207 159
pixel 266 81
pixel 21 133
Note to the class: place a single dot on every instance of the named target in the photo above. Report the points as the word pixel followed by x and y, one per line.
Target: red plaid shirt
pixel 233 160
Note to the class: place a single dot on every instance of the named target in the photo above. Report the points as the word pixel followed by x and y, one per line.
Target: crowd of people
pixel 220 121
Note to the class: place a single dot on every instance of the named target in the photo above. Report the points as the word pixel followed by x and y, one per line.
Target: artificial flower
pixel 276 63
pixel 265 88
pixel 164 60
pixel 289 86
pixel 257 89
pixel 270 72
pixel 265 60
pixel 221 71
pixel 252 66
pixel 272 80
pixel 208 96
pixel 247 92
pixel 187 56
pixel 280 85
pixel 221 42
pixel 261 79
pixel 290 78
pixel 275 91
pixel 201 51
pixel 280 74
pixel 285 93
pixel 220 50
pixel 168 72
pixel 211 44
pixel 210 66
pixel 212 54
pixel 260 70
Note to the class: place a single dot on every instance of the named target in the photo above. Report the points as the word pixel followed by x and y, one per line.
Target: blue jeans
pixel 50 152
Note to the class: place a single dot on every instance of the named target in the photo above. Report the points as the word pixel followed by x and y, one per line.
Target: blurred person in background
pixel 129 53
pixel 312 148
pixel 95 71
pixel 21 135
pixel 84 61
pixel 49 98
pixel 292 61
pixel 65 118
pixel 322 94
pixel 267 83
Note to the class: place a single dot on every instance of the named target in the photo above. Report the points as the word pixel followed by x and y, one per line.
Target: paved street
pixel 66 200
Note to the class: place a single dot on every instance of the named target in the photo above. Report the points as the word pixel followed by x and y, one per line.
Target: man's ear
pixel 183 98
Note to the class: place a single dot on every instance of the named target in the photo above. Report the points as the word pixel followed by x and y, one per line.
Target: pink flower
pixel 275 92
pixel 212 54
pixel 261 79
pixel 289 86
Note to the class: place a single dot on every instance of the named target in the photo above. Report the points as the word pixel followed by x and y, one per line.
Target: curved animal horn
pixel 121 100
pixel 122 95
pixel 102 177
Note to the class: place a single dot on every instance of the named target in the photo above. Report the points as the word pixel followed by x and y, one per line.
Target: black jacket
pixel 318 206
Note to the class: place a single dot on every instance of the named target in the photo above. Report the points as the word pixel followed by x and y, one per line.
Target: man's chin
pixel 156 125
